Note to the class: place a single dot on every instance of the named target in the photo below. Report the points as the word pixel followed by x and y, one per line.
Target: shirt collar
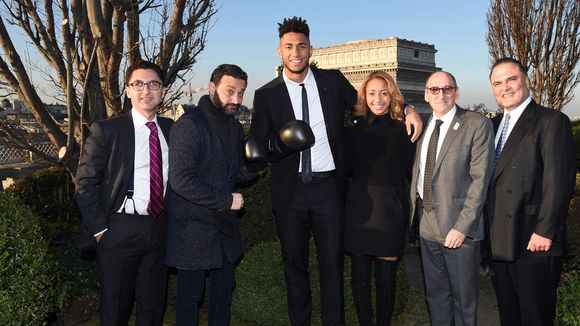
pixel 139 120
pixel 307 80
pixel 371 117
pixel 517 112
pixel 207 105
pixel 447 117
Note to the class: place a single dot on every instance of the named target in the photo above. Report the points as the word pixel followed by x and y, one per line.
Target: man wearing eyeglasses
pixel 120 185
pixel 453 164
pixel 528 198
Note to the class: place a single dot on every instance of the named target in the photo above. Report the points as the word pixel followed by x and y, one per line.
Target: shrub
pixel 568 307
pixel 49 194
pixel 257 224
pixel 260 294
pixel 27 272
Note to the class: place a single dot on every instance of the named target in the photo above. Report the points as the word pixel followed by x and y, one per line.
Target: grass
pixel 257 227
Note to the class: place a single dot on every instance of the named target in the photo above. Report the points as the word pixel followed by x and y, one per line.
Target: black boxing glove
pixel 294 136
pixel 255 149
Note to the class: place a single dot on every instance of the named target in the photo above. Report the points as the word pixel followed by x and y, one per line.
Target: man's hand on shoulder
pixel 412 118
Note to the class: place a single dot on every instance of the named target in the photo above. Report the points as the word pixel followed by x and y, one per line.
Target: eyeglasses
pixel 152 85
pixel 435 90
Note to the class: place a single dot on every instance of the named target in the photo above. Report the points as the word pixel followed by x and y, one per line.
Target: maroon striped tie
pixel 155 206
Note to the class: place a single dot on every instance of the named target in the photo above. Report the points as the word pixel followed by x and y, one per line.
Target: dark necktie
pixel 155 206
pixel 306 158
pixel 502 138
pixel 430 167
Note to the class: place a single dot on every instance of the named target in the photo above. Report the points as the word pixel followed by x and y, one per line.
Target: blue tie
pixel 502 137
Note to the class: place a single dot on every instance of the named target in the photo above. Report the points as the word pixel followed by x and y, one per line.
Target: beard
pixel 228 109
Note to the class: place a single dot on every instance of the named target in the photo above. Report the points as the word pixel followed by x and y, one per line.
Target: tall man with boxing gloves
pixel 306 176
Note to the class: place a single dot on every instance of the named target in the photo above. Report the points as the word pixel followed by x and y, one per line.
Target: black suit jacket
pixel 105 171
pixel 532 184
pixel 273 109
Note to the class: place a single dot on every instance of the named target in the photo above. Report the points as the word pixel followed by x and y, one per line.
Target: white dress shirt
pixel 141 166
pixel 515 114
pixel 447 118
pixel 322 159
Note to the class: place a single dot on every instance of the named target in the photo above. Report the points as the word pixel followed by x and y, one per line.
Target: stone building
pixel 409 62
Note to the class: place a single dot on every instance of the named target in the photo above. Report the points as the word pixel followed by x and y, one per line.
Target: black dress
pixel 379 156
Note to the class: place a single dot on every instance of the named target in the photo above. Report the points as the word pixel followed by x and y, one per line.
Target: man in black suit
pixel 307 186
pixel 120 183
pixel 206 161
pixel 528 198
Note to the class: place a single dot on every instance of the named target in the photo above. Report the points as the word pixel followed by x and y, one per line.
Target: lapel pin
pixel 456 126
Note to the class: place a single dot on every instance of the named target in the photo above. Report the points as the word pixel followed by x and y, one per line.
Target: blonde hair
pixel 395 108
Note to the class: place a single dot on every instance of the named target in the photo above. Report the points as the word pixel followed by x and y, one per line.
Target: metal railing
pixel 12 154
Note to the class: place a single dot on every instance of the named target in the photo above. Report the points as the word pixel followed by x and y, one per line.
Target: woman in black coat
pixel 379 158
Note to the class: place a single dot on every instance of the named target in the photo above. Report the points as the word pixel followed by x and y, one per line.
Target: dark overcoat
pixel 202 174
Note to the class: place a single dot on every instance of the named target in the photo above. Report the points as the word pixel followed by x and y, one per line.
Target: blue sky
pixel 245 33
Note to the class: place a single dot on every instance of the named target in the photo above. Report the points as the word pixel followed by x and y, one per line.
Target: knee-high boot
pixel 361 288
pixel 386 282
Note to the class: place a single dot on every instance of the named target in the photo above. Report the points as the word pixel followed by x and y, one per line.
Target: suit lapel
pixel 420 144
pixel 452 132
pixel 127 138
pixel 165 127
pixel 282 101
pixel 495 122
pixel 325 100
pixel 417 161
pixel 520 129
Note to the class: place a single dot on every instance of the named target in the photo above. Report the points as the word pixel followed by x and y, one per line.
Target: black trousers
pixel 190 289
pixel 526 290
pixel 316 208
pixel 130 269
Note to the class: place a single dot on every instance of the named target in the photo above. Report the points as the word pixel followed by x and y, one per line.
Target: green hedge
pixel 27 272
pixel 568 308
pixel 257 223
pixel 260 294
pixel 49 194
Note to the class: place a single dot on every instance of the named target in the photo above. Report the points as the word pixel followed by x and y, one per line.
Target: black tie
pixel 430 167
pixel 306 158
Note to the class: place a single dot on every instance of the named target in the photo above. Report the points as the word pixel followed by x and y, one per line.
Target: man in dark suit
pixel 453 165
pixel 307 186
pixel 120 183
pixel 206 161
pixel 528 198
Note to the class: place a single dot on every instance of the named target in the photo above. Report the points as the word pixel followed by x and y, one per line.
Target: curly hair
pixel 395 107
pixel 293 25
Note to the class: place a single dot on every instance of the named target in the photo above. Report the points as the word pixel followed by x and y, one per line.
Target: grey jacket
pixel 462 173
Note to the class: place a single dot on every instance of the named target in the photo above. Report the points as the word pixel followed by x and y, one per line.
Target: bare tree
pixel 544 36
pixel 479 108
pixel 86 44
